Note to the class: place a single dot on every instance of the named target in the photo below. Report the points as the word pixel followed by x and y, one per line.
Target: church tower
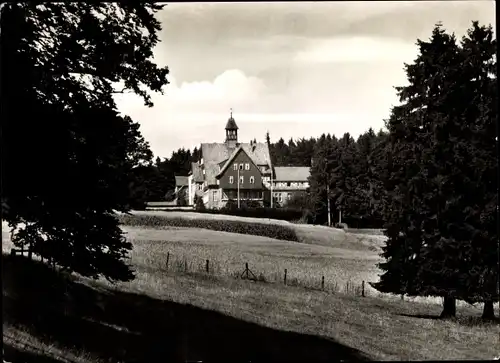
pixel 231 132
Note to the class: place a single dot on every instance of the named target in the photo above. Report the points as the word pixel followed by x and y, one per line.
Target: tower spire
pixel 231 130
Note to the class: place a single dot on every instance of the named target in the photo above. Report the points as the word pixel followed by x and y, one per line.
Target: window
pixel 289 196
pixel 235 166
pixel 231 179
pixel 241 179
pixel 241 166
pixel 247 166
pixel 215 196
pixel 280 197
pixel 203 171
pixel 252 180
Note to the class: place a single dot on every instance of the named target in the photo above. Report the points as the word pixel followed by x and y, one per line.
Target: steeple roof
pixel 231 124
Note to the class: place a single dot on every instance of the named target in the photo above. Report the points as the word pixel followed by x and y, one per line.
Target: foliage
pixel 182 198
pixel 257 229
pixel 441 207
pixel 73 58
pixel 198 204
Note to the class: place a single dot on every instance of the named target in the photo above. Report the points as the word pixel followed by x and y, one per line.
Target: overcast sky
pixel 295 69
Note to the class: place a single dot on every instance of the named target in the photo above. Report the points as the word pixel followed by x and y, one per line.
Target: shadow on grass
pixel 462 320
pixel 422 316
pixel 125 327
pixel 12 354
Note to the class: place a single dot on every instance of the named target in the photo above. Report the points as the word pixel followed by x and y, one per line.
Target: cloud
pixel 356 49
pixel 178 115
pixel 194 112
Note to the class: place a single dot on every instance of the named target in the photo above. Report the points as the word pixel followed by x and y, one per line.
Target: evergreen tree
pixel 325 162
pixel 70 57
pixel 441 211
pixel 363 178
pixel 343 177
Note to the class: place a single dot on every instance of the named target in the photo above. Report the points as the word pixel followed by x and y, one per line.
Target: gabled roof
pixel 231 158
pixel 291 173
pixel 215 153
pixel 181 181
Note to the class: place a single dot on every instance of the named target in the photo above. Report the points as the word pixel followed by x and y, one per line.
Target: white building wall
pixel 190 190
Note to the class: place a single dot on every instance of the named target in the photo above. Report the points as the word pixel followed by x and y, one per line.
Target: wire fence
pixel 212 270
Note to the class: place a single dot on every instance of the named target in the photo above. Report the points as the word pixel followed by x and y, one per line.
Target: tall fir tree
pixel 441 213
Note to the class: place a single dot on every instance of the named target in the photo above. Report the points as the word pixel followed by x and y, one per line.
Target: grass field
pixel 178 315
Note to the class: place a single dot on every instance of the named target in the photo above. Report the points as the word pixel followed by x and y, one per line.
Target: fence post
pixel 206 267
pixel 168 257
pixel 284 280
pixel 246 269
pixel 322 282
pixel 363 288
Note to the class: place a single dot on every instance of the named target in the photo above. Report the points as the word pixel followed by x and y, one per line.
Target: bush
pixel 256 229
pixel 181 198
pixel 300 201
pixel 199 206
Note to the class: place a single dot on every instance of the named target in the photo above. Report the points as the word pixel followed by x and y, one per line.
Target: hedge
pixel 258 229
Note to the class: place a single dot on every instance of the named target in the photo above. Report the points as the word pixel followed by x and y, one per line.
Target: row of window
pixel 279 196
pixel 244 194
pixel 242 179
pixel 247 166
pixel 290 184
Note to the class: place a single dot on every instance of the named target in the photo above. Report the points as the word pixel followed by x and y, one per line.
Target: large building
pixel 241 171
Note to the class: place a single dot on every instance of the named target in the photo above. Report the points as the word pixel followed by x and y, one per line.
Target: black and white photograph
pixel 281 181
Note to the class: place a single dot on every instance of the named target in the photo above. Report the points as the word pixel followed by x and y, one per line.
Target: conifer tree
pixel 441 199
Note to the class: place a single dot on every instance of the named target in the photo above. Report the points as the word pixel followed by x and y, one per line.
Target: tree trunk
pixel 488 312
pixel 328 204
pixel 449 308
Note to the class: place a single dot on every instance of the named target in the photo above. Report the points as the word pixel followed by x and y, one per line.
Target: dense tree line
pixel 345 174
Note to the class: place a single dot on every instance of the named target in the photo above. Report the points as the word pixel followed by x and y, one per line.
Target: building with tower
pixel 241 172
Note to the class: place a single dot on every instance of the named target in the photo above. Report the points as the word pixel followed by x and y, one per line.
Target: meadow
pixel 189 314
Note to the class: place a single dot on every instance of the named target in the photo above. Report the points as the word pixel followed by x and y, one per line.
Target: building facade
pixel 241 171
pixel 288 182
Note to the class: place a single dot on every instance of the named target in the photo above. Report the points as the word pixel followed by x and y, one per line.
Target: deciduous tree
pixel 62 65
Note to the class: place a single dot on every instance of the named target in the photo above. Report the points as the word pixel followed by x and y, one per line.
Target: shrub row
pixel 283 214
pixel 257 229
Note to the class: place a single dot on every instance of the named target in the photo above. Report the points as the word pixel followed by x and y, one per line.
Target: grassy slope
pixel 379 328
